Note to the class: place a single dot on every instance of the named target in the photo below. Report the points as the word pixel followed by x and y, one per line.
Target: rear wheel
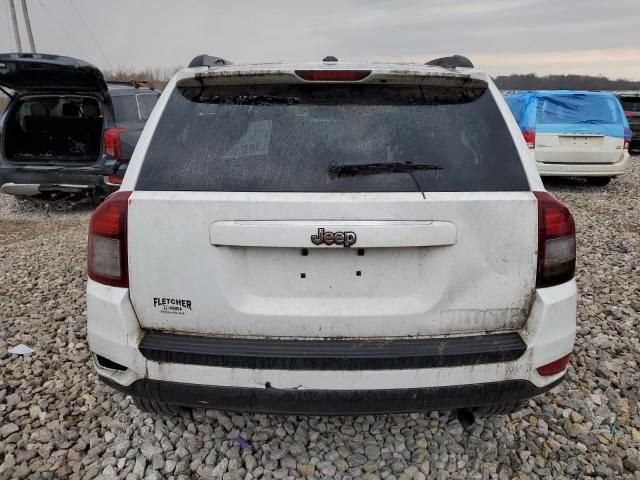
pixel 500 408
pixel 156 407
pixel 598 181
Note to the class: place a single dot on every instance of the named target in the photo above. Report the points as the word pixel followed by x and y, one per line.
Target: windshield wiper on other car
pixel 352 169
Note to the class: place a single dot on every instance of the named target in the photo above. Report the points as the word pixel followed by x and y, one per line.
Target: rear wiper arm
pixel 352 169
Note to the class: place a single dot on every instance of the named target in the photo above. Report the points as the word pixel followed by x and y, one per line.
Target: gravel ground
pixel 58 421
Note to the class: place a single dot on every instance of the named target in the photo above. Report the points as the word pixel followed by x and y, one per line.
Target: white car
pixel 331 238
pixel 574 133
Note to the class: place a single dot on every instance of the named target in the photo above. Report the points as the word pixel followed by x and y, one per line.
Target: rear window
pixel 577 108
pixel 146 102
pixel 288 138
pixel 125 108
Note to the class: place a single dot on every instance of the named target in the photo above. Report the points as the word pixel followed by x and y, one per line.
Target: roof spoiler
pixel 208 61
pixel 455 61
pixel 133 83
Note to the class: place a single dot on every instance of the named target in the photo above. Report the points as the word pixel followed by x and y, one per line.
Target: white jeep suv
pixel 331 238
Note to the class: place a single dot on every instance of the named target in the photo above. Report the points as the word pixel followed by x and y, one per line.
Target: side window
pixel 146 102
pixel 125 108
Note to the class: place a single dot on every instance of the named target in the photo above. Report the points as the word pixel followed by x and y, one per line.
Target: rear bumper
pixel 114 333
pixel 583 169
pixel 333 402
pixel 25 180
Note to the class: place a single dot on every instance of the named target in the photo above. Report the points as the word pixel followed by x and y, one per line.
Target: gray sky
pixel 501 36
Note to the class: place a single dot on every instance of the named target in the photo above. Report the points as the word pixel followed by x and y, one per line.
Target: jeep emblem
pixel 346 239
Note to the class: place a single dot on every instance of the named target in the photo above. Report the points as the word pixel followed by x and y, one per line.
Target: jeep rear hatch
pixel 267 210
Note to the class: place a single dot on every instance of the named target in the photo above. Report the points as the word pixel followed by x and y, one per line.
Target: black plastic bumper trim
pixel 89 175
pixel 333 402
pixel 272 354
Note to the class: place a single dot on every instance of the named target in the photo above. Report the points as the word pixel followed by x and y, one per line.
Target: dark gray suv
pixel 630 101
pixel 65 129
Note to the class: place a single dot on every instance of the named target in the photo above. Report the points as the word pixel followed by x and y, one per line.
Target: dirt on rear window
pixel 290 138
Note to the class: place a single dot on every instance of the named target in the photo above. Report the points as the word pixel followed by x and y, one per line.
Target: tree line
pixel 159 77
pixel 531 81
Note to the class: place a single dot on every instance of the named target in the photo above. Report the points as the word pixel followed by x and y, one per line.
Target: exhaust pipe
pixel 466 417
pixel 26 189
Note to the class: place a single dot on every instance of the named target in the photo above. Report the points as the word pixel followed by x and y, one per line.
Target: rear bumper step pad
pixel 267 354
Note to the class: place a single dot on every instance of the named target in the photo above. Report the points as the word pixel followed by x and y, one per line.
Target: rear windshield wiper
pixel 352 169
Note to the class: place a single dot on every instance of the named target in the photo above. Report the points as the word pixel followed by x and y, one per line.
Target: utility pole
pixel 28 22
pixel 15 26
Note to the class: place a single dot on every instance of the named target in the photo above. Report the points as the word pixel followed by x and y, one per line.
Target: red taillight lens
pixel 114 180
pixel 333 75
pixel 554 367
pixel 112 144
pixel 628 114
pixel 627 137
pixel 530 138
pixel 107 251
pixel 556 242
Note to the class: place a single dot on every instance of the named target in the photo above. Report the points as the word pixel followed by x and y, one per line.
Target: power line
pixel 60 26
pixel 8 27
pixel 91 34
pixel 27 22
pixel 14 19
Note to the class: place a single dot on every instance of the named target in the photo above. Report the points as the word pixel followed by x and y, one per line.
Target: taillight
pixel 333 75
pixel 107 251
pixel 627 138
pixel 530 138
pixel 556 242
pixel 113 180
pixel 628 114
pixel 554 367
pixel 112 143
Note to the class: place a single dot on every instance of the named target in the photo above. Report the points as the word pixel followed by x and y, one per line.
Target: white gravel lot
pixel 58 421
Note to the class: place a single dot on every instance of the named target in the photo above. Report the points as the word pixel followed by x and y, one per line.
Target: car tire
pixel 156 407
pixel 598 181
pixel 501 408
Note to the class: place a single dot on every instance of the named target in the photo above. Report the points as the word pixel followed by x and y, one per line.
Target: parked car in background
pixel 574 133
pixel 331 238
pixel 65 129
pixel 630 101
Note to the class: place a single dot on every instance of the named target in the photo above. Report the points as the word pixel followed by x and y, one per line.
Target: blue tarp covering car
pixel 569 112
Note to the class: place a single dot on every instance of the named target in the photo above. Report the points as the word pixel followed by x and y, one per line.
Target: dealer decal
pixel 176 306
